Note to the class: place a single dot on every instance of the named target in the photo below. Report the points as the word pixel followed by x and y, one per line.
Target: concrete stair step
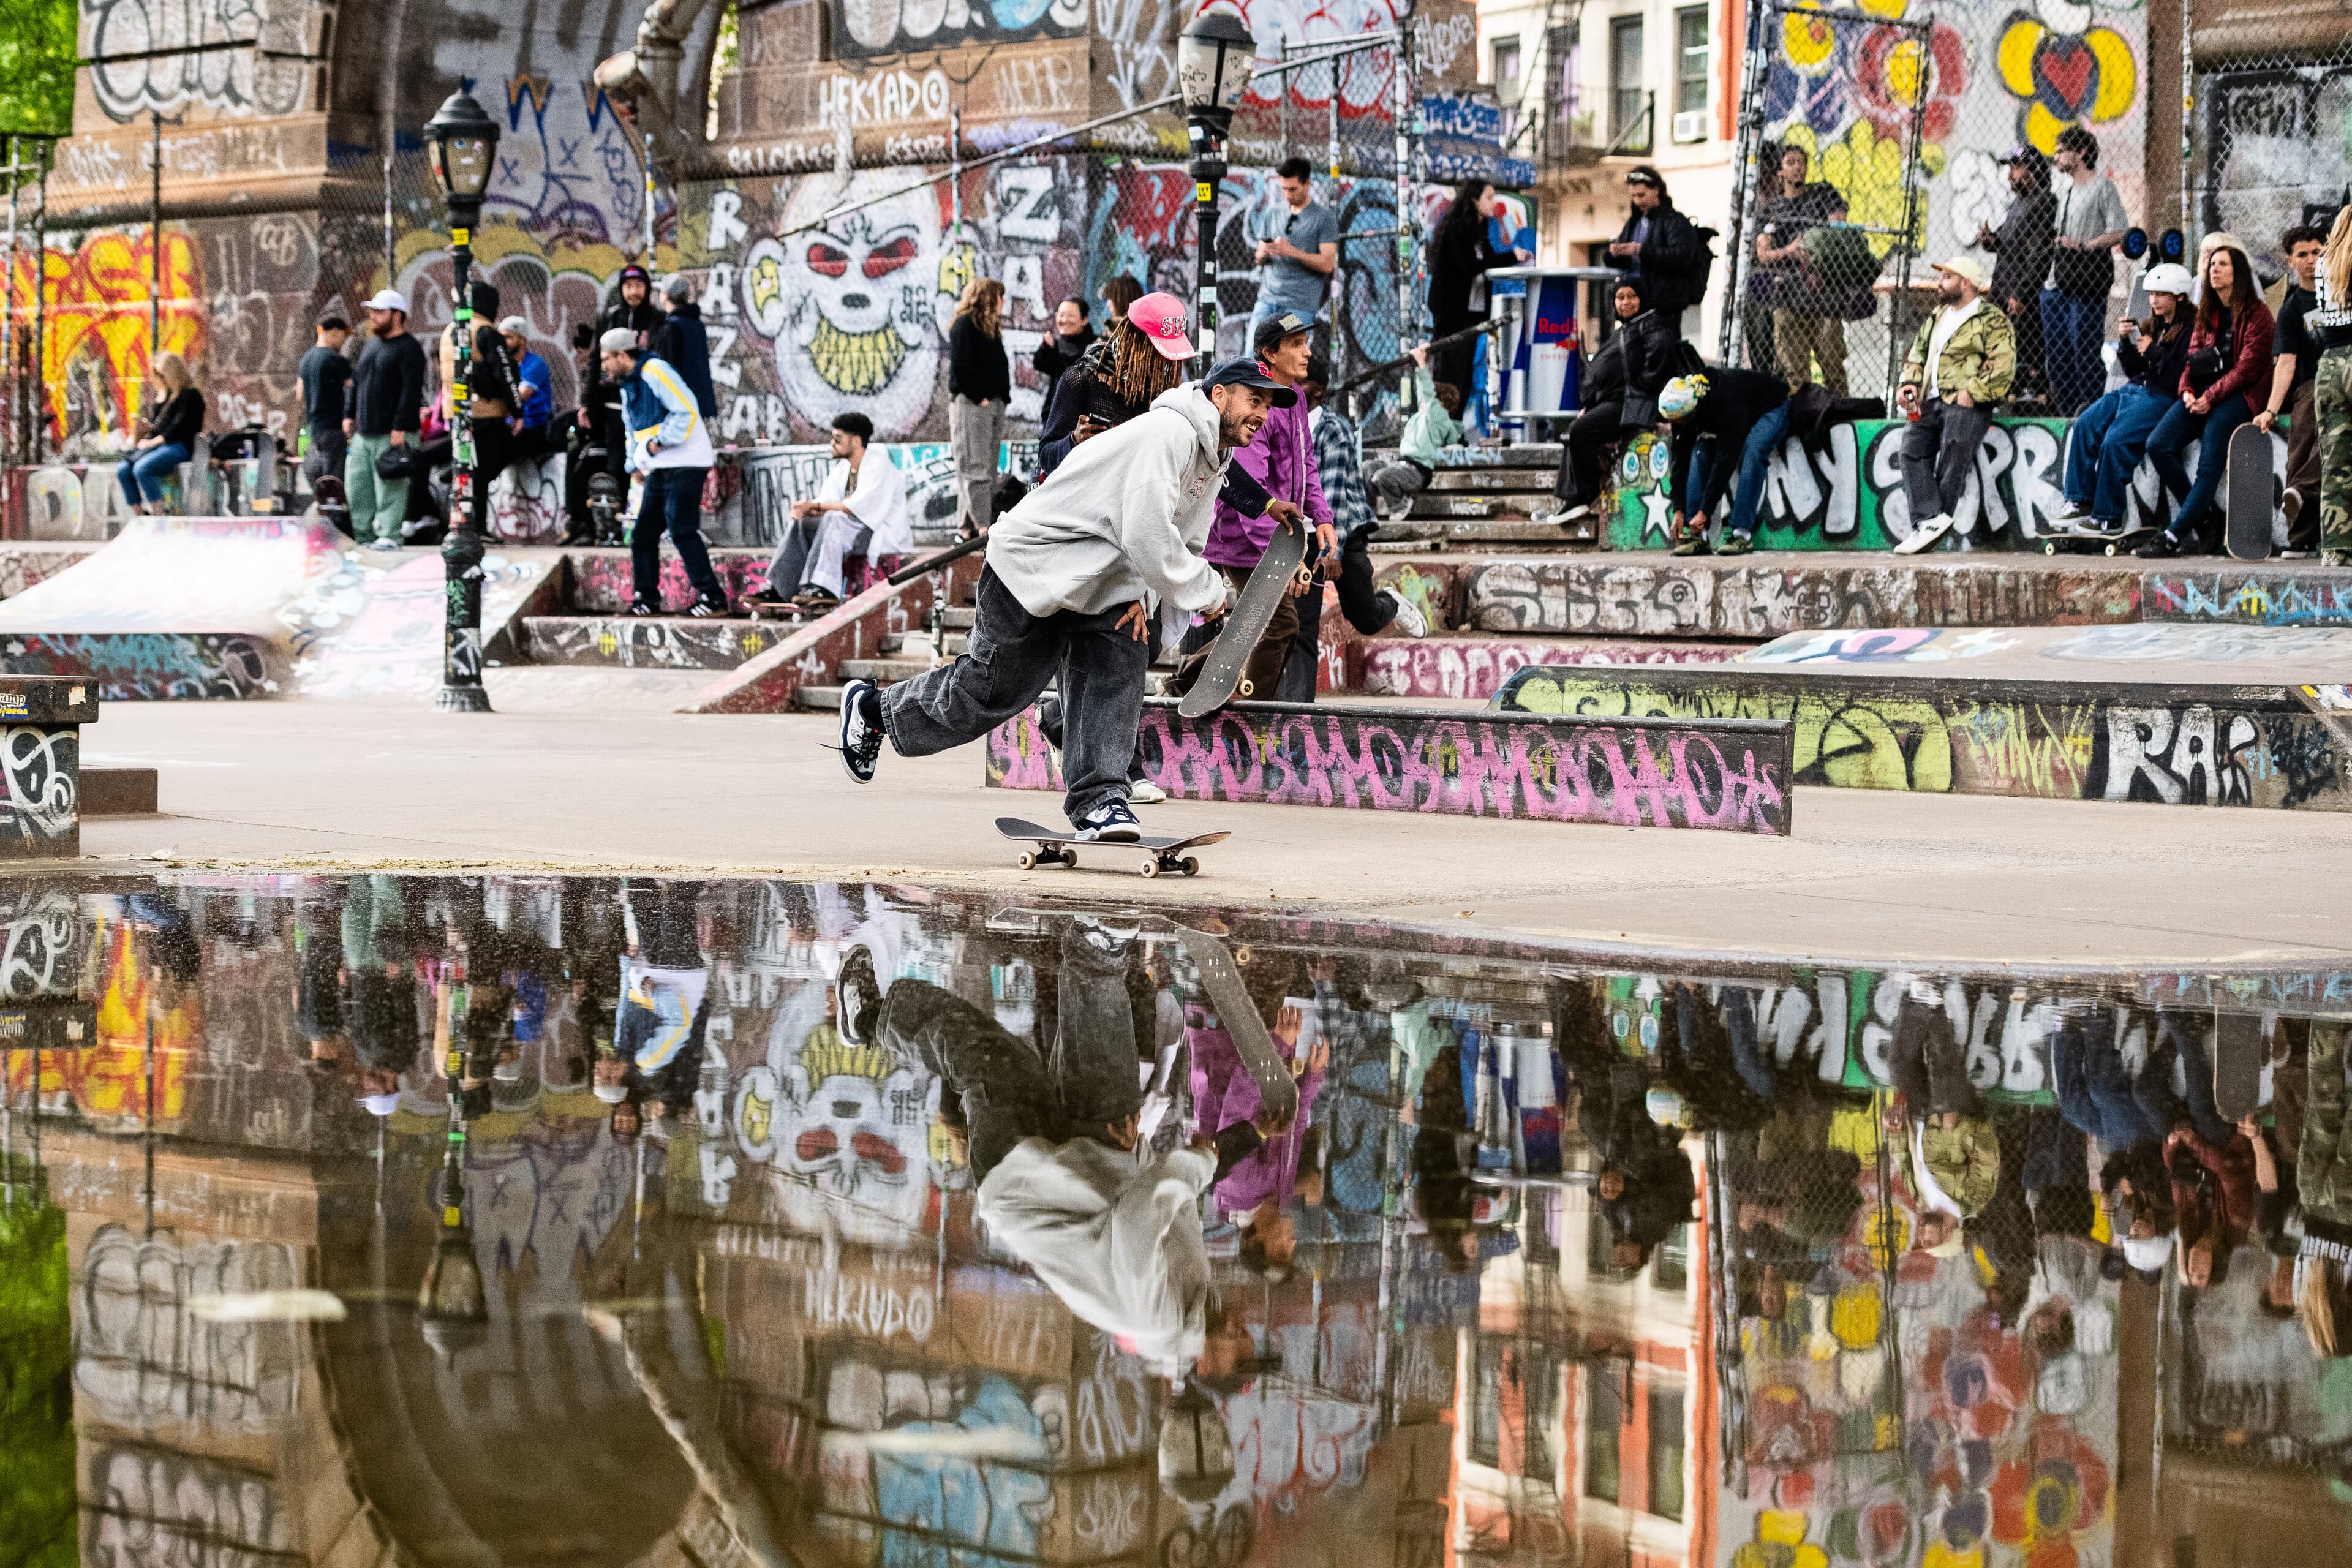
pixel 1493 480
pixel 1534 455
pixel 823 699
pixel 650 642
pixel 950 643
pixel 883 671
pixel 958 617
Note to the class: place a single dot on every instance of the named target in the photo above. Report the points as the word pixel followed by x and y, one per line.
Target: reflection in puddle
pixel 541 1219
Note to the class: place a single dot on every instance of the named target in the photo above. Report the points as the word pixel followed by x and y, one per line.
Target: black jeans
pixel 1049 707
pixel 1011 657
pixel 1589 436
pixel 1367 609
pixel 672 499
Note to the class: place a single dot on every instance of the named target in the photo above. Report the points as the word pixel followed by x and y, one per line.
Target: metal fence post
pixel 1400 87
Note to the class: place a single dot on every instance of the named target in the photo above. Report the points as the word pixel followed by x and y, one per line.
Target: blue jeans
pixel 2105 447
pixel 144 474
pixel 2071 332
pixel 672 499
pixel 2171 437
pixel 1748 485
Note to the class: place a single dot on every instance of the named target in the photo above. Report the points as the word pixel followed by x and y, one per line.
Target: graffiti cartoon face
pixel 847 1127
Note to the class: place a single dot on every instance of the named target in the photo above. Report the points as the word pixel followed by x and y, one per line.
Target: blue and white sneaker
pixel 1110 823
pixel 861 729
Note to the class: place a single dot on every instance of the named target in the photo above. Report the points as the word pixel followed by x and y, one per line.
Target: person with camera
pixel 2228 366
pixel 2108 439
pixel 387 407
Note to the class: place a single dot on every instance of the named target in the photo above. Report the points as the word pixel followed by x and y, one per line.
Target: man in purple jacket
pixel 1281 460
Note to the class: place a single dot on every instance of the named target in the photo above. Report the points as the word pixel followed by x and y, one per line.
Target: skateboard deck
pixel 2240 1045
pixel 1060 847
pixel 1221 979
pixel 2251 503
pixel 1220 675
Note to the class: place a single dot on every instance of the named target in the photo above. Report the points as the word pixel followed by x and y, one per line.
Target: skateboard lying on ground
pixel 1221 979
pixel 1057 848
pixel 1245 622
pixel 2240 1045
pixel 2247 482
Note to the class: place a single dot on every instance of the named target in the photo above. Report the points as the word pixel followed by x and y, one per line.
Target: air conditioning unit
pixel 1691 125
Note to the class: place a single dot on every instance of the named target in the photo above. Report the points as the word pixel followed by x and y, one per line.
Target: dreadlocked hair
pixel 1133 371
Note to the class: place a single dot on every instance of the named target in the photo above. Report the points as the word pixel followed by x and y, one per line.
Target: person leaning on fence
pixel 860 514
pixel 166 434
pixel 1959 366
pixel 1806 328
pixel 2020 252
pixel 670 449
pixel 1435 425
pixel 1763 285
pixel 2228 367
pixel 326 377
pixel 2295 367
pixel 1620 393
pixel 2089 223
pixel 387 407
pixel 1722 418
pixel 2329 326
pixel 2108 440
pixel 979 385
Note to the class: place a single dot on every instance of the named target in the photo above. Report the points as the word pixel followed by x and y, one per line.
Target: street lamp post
pixel 451 1303
pixel 465 144
pixel 1212 65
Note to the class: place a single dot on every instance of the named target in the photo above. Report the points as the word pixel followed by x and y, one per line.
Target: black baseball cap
pixel 1281 325
pixel 1246 373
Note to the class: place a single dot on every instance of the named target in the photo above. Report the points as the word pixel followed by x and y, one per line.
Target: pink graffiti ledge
pixel 1729 775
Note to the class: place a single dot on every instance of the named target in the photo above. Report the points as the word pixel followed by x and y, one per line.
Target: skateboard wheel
pixel 1244 689
pixel 1151 867
pixel 2050 547
pixel 2110 549
pixel 1069 857
pixel 1026 860
pixel 1191 866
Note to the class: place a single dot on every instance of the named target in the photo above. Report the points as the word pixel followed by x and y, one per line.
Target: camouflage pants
pixel 2333 393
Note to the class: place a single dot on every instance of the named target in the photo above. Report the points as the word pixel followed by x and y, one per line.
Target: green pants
pixel 2332 392
pixel 379 506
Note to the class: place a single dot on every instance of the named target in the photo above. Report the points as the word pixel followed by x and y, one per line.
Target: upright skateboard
pixel 1269 582
pixel 1059 849
pixel 332 502
pixel 2250 497
pixel 1221 979
pixel 2241 1043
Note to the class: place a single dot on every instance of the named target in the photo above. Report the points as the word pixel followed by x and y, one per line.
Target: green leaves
pixel 37 66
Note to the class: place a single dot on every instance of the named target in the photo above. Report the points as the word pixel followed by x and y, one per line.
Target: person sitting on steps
pixel 860 512
pixel 1620 395
pixel 2227 370
pixel 1960 364
pixel 1435 425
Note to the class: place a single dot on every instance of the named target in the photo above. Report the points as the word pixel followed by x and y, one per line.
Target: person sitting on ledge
pixel 1618 394
pixel 1959 366
pixel 859 514
pixel 2108 439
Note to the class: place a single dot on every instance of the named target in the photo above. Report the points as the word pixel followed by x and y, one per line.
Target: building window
pixel 1670 1265
pixel 1666 1453
pixel 1625 98
pixel 1604 1420
pixel 1507 69
pixel 1693 57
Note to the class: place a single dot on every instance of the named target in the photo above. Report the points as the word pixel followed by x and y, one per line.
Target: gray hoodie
pixel 1126 514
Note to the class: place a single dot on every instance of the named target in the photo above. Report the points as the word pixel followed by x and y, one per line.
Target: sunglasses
pixel 1642 180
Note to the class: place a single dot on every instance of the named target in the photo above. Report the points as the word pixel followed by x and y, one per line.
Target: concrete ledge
pixel 119 791
pixel 769 682
pixel 2170 742
pixel 1727 774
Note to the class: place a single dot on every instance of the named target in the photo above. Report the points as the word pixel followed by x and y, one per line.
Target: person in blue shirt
pixel 534 391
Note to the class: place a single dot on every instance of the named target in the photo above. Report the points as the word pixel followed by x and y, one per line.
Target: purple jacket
pixel 1225 1093
pixel 1282 459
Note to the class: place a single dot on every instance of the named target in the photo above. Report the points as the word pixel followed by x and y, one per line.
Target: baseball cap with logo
pixel 1246 373
pixel 1160 318
pixel 1281 324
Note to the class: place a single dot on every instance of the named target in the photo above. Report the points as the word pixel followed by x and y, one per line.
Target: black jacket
pixel 1813 412
pixel 643 320
pixel 1734 401
pixel 1456 261
pixel 2022 248
pixel 1671 258
pixel 1633 367
pixel 2159 367
pixel 1058 354
pixel 388 386
pixel 180 421
pixel 978 367
pixel 684 343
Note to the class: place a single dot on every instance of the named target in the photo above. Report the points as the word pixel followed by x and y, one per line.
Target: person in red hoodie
pixel 2228 369
pixel 2213 1196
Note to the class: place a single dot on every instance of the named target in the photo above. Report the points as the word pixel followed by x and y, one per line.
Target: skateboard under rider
pixel 2251 500
pixel 1220 681
pixel 1059 849
pixel 2240 1045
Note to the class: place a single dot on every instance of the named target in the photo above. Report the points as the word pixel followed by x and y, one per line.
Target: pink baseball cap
pixel 1160 318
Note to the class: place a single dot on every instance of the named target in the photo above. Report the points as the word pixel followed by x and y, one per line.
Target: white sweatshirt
pixel 1119 1243
pixel 1126 514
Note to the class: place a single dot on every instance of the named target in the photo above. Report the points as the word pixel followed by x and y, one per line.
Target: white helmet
pixel 2168 278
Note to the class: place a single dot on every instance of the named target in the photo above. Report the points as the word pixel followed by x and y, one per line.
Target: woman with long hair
pixel 980 385
pixel 167 434
pixel 2329 327
pixel 2228 366
pixel 2108 438
pixel 1459 255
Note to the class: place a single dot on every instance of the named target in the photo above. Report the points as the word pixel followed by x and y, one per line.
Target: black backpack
pixel 1705 271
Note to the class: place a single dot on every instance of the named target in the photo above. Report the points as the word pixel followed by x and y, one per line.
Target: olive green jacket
pixel 1981 360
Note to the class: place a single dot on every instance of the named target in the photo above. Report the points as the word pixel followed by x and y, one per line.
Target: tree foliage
pixel 37 45
pixel 36 1441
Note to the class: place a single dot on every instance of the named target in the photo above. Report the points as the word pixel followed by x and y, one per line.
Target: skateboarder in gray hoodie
pixel 1062 597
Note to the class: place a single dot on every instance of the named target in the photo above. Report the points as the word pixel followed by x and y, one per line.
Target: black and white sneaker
pixel 858 993
pixel 707 609
pixel 861 729
pixel 1110 823
pixel 638 609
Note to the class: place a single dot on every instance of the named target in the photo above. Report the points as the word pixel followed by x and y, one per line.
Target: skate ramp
pixel 175 609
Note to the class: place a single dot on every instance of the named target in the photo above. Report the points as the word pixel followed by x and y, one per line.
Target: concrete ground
pixel 1868 876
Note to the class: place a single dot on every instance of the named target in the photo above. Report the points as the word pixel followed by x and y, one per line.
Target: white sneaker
pixel 1143 792
pixel 1926 533
pixel 1409 618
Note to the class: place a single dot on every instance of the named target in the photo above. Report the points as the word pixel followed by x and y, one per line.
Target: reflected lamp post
pixel 465 144
pixel 451 1301
pixel 1214 58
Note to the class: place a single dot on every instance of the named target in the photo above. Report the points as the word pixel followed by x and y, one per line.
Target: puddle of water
pixel 557 1219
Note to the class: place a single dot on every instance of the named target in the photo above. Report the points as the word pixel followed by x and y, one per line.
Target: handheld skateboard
pixel 2250 498
pixel 1060 848
pixel 2240 1043
pixel 1221 979
pixel 334 503
pixel 1245 622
